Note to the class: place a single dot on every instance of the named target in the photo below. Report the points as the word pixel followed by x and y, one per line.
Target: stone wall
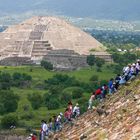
pixel 66 59
pixel 16 61
pixel 7 137
pixel 69 60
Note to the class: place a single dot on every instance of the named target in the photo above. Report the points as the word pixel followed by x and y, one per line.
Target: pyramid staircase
pixel 121 123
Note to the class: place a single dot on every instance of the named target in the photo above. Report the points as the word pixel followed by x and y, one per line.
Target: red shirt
pixel 67 114
pixel 70 109
pixel 34 138
pixel 98 92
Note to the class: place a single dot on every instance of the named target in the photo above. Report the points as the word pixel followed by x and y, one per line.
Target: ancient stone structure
pixel 69 60
pixel 16 61
pixel 14 137
pixel 66 59
pixel 36 37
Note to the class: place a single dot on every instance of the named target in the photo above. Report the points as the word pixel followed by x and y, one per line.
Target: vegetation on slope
pixel 39 84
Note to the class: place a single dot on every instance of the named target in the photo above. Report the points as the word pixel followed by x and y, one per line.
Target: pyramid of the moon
pixel 36 37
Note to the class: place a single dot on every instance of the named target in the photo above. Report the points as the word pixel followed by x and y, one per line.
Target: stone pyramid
pixel 35 37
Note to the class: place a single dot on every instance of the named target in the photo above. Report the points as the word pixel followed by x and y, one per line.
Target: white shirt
pixel 44 127
pixel 75 109
pixel 138 66
pixel 58 118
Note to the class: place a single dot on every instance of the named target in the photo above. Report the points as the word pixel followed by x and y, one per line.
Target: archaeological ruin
pixel 49 38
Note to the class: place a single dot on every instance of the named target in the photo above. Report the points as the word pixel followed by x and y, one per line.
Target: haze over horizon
pixel 127 10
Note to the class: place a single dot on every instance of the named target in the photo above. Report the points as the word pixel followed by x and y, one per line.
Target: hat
pixel 77 104
pixel 93 107
pixel 133 64
pixel 61 113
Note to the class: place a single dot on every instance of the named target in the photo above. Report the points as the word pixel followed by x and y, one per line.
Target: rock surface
pixel 122 121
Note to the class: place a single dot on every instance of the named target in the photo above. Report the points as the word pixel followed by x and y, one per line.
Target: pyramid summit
pixel 36 37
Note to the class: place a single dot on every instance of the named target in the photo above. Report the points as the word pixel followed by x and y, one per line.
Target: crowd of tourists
pixel 56 123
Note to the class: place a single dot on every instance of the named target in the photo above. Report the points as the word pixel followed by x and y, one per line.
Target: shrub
pixel 5 77
pixel 36 100
pixel 99 69
pixel 91 60
pixel 9 101
pixel 100 62
pixel 66 96
pixel 94 78
pixel 5 86
pixel 26 77
pixel 16 76
pixel 39 85
pixel 55 89
pixel 53 104
pixel 82 100
pixel 9 120
pixel 63 80
pixel 27 116
pixel 77 92
pixel 47 65
pixel 51 101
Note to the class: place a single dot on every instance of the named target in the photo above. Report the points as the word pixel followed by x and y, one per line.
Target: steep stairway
pixel 116 118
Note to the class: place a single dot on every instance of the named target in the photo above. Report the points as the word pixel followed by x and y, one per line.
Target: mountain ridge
pixel 107 9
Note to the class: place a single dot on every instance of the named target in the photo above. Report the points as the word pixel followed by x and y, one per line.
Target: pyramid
pixel 35 37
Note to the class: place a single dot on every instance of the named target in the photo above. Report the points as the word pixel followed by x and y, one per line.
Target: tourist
pixel 110 85
pixel 76 111
pixel 55 123
pixel 122 80
pixel 34 136
pixel 137 67
pixel 127 72
pixel 104 90
pixel 30 137
pixel 92 97
pixel 44 130
pixel 59 122
pixel 117 81
pixel 70 108
pixel 67 116
pixel 50 125
pixel 98 93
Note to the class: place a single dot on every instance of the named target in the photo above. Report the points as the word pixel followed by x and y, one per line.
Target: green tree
pixel 9 120
pixel 100 62
pixel 53 104
pixel 5 77
pixel 16 76
pixel 47 65
pixel 8 101
pixel 91 60
pixel 36 100
pixel 26 77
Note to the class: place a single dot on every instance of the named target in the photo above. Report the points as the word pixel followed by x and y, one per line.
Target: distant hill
pixel 100 9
